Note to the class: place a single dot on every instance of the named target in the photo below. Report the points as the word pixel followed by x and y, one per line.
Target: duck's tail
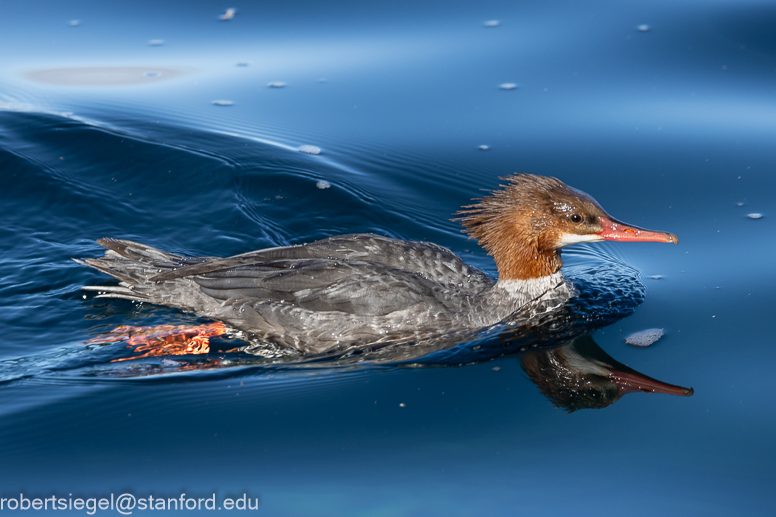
pixel 134 265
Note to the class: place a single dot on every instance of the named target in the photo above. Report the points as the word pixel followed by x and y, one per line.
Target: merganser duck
pixel 363 289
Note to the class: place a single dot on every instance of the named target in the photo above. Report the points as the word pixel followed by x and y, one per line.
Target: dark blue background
pixel 670 129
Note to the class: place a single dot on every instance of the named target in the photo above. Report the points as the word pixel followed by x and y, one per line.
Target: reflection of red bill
pixel 632 381
pixel 163 339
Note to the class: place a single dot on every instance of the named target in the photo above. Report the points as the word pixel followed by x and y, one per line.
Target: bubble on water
pixel 310 149
pixel 643 28
pixel 509 86
pixel 242 64
pixel 156 42
pixel 484 148
pixel 74 23
pixel 755 216
pixel 656 277
pixel 222 102
pixel 492 23
pixel 228 15
pixel 152 74
pixel 644 338
pixel 323 185
pixel 276 84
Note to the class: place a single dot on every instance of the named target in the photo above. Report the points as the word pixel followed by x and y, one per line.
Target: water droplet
pixel 223 103
pixel 492 23
pixel 276 84
pixel 740 204
pixel 755 216
pixel 656 277
pixel 484 148
pixel 402 404
pixel 228 15
pixel 644 338
pixel 509 86
pixel 496 368
pixel 323 185
pixel 643 28
pixel 74 23
pixel 156 42
pixel 310 149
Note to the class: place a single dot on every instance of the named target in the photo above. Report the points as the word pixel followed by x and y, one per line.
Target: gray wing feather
pixel 427 259
pixel 353 287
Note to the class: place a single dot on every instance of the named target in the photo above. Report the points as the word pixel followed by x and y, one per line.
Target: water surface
pixel 104 134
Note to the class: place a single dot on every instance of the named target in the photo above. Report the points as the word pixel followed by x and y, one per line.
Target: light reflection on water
pixel 103 76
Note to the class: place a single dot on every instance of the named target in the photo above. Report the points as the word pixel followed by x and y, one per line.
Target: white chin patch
pixel 567 239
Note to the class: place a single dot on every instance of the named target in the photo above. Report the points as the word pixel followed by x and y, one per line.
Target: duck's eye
pixel 576 218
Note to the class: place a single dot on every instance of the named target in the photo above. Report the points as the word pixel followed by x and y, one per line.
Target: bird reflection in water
pixel 573 376
pixel 581 375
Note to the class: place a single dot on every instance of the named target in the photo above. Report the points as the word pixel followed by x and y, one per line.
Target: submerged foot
pixel 163 340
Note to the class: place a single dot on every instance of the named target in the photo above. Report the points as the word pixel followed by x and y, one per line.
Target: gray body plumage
pixel 329 295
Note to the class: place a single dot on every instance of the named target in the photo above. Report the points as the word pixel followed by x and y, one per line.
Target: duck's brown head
pixel 525 224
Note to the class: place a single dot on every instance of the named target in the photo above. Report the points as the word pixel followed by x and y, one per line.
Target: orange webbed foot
pixel 163 340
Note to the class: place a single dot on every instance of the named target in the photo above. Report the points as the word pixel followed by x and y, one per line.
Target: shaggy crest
pixel 514 224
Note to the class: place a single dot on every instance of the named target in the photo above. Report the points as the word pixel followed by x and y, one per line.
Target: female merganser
pixel 364 289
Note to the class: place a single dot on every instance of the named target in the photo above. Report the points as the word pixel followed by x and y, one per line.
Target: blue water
pixel 103 134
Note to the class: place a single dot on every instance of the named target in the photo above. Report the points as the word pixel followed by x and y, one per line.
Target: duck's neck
pixel 530 288
pixel 527 272
pixel 527 263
